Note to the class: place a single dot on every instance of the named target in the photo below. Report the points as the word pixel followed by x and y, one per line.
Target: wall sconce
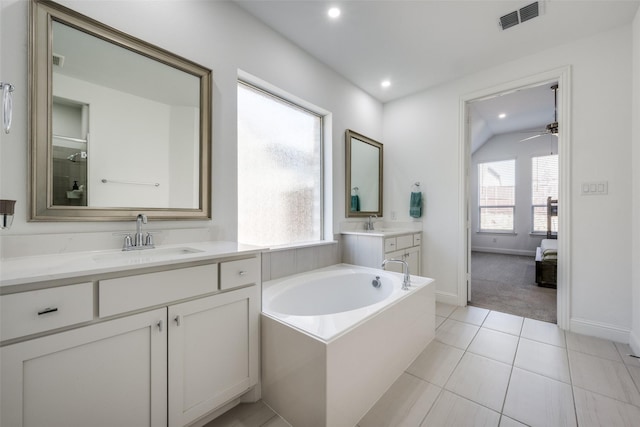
pixel 6 213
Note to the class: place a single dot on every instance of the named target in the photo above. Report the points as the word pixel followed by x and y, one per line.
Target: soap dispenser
pixel 75 185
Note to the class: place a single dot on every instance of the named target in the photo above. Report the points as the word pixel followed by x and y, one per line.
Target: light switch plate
pixel 596 188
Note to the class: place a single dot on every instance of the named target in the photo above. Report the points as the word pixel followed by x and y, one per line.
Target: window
pixel 279 170
pixel 544 183
pixel 496 195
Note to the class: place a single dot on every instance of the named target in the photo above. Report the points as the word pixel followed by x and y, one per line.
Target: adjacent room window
pixel 544 184
pixel 279 170
pixel 497 195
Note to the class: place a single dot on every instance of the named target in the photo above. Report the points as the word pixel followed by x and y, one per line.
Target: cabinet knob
pixel 242 273
pixel 160 325
pixel 177 320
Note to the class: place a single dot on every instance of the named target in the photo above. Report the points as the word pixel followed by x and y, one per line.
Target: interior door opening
pixel 512 185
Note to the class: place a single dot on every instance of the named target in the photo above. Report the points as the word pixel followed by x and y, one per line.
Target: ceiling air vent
pixel 522 15
pixel 528 12
pixel 509 20
pixel 58 60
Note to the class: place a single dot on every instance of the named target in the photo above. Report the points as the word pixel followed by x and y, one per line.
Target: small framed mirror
pixel 363 177
pixel 118 126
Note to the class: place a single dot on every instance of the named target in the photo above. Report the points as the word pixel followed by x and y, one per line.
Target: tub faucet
pixel 369 224
pixel 405 270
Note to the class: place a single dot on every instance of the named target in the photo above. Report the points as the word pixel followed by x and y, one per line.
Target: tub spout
pixel 405 270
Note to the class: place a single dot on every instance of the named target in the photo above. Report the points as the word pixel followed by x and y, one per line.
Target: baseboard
pixel 634 342
pixel 521 252
pixel 447 298
pixel 600 330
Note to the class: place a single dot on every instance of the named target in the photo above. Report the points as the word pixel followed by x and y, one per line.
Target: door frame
pixel 563 77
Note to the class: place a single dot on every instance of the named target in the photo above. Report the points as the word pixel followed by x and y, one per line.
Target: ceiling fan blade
pixel 531 137
pixel 540 131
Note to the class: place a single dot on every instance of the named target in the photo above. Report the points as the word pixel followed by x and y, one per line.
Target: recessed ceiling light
pixel 334 12
pixel 385 83
pixel 502 115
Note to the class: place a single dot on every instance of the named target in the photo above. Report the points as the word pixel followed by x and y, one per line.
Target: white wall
pixel 421 134
pixel 635 110
pixel 217 35
pixel 506 147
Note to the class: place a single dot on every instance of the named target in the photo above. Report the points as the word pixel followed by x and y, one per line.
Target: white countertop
pixel 29 269
pixel 383 232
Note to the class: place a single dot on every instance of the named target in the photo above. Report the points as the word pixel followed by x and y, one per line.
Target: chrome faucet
pixel 405 270
pixel 140 241
pixel 369 225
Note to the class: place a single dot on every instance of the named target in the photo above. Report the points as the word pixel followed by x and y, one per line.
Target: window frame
pixel 533 231
pixel 296 103
pixel 512 207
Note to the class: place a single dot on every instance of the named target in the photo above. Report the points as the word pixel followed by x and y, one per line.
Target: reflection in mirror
pixel 363 175
pixel 120 126
pixel 143 130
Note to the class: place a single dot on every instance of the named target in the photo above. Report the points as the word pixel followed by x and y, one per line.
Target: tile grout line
pixel 515 354
pixel 573 394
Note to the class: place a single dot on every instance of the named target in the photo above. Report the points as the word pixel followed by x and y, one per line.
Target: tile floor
pixel 487 368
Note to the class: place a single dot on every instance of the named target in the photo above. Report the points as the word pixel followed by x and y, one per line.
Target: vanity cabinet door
pixel 107 374
pixel 410 255
pixel 213 352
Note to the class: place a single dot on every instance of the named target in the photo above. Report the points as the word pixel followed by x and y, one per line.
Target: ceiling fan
pixel 551 128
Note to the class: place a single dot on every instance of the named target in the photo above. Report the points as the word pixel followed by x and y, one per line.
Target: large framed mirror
pixel 363 189
pixel 118 126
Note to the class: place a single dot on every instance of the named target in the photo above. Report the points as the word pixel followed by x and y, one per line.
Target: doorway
pixel 523 255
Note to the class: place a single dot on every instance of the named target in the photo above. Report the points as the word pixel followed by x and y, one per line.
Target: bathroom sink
pixel 146 254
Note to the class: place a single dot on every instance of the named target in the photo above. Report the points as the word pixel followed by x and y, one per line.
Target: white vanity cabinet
pixel 161 348
pixel 103 375
pixel 370 249
pixel 213 355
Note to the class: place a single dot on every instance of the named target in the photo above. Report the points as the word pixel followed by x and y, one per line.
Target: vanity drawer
pixel 404 242
pixel 239 273
pixel 417 239
pixel 130 293
pixel 31 312
pixel 390 244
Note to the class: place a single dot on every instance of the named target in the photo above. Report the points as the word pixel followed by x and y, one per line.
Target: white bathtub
pixel 332 343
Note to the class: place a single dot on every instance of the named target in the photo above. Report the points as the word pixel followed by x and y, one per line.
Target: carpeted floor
pixel 507 283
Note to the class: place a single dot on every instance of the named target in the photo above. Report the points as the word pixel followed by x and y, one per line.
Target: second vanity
pixel 370 247
pixel 167 336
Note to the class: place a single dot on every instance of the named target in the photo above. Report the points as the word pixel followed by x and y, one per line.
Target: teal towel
pixel 355 204
pixel 415 205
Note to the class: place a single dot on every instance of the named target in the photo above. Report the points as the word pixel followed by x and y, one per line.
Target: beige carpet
pixel 506 283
